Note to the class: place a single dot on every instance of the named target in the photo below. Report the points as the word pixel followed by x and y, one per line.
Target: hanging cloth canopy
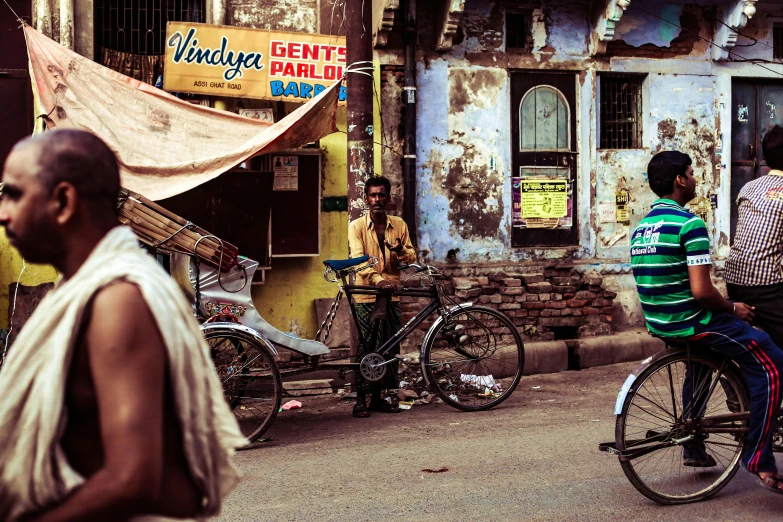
pixel 165 146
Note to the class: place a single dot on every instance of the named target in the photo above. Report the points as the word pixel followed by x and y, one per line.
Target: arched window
pixel 544 120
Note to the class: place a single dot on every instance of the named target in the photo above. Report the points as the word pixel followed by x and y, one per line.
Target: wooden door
pixel 543 128
pixel 15 90
pixel 756 107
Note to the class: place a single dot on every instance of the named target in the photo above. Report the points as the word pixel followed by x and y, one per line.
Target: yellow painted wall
pixel 10 267
pixel 286 300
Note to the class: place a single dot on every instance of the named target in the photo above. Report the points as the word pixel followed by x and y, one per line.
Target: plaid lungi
pixel 386 328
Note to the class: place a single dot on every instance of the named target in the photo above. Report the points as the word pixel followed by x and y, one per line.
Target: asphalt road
pixel 535 457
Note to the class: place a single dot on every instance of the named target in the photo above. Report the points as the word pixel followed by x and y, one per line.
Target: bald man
pixel 121 431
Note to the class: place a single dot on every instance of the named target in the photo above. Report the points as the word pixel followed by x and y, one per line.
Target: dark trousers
pixel 760 362
pixel 768 300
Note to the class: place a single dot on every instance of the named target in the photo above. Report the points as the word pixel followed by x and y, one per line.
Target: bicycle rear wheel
pixel 474 360
pixel 653 419
pixel 251 381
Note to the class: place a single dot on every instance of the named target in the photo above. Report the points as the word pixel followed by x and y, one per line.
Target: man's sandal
pixel 360 411
pixel 771 483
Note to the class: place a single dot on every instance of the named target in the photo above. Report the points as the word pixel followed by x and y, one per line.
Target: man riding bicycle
pixel 670 255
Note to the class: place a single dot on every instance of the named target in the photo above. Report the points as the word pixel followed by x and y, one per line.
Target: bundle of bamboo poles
pixel 160 228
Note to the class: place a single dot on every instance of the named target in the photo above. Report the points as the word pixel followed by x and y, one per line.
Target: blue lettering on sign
pixel 301 90
pixel 186 48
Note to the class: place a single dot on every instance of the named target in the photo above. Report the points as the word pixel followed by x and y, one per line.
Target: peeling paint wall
pixel 279 15
pixel 464 130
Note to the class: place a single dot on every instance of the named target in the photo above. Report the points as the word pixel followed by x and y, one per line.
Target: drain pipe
pixel 409 102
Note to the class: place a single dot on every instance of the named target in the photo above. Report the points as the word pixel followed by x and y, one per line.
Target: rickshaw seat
pixel 342 264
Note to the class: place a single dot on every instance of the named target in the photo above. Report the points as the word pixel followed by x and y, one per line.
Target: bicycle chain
pixel 326 325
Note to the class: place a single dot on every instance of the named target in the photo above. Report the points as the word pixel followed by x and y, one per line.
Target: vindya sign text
pixel 251 63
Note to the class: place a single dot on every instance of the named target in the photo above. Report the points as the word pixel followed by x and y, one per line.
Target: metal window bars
pixel 777 42
pixel 139 26
pixel 620 111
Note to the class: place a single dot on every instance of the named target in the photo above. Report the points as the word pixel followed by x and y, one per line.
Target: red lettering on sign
pixel 301 70
pixel 330 72
pixel 314 72
pixel 294 50
pixel 341 54
pixel 310 51
pixel 275 67
pixel 289 69
pixel 277 49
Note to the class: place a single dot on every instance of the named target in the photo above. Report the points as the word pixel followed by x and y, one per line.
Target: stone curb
pixel 621 347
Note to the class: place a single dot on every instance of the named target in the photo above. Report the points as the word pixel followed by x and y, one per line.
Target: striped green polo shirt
pixel 665 243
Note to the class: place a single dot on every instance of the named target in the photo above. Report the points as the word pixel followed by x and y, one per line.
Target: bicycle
pixel 669 404
pixel 472 357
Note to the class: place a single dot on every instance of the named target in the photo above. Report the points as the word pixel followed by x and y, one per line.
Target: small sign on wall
pixel 286 169
pixel 621 207
pixel 607 212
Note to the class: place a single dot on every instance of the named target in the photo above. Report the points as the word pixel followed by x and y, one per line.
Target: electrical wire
pixel 730 52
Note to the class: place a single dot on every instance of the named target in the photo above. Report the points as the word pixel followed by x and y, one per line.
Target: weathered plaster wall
pixel 279 15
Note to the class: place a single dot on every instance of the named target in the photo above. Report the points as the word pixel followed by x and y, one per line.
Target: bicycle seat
pixel 342 264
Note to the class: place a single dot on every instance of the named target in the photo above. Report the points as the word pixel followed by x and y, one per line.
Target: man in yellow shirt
pixel 385 237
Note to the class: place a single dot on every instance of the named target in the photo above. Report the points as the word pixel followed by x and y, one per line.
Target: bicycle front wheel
pixel 661 420
pixel 251 381
pixel 473 359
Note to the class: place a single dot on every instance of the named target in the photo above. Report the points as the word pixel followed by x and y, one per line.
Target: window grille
pixel 620 116
pixel 777 42
pixel 518 30
pixel 130 34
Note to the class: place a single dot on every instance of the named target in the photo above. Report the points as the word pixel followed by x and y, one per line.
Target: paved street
pixel 533 458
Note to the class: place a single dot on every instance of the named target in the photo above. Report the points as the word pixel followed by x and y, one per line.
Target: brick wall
pixel 545 302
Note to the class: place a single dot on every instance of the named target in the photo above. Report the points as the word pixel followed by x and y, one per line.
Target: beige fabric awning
pixel 165 145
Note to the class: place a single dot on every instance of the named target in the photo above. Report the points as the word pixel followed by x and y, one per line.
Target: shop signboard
pixel 251 63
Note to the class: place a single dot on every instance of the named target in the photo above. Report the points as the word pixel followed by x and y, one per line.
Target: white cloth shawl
pixel 34 472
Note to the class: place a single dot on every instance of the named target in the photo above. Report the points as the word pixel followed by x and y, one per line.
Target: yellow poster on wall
pixel 544 198
pixel 251 63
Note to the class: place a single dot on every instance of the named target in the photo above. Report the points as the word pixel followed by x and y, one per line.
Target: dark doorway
pixel 756 107
pixel 543 134
pixel 15 89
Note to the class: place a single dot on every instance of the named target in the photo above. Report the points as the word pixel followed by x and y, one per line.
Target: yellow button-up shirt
pixel 362 240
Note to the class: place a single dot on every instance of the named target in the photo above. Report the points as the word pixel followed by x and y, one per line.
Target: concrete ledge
pixel 617 348
pixel 308 387
pixel 545 357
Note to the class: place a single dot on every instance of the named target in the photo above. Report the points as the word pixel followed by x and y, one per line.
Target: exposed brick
pixel 566 311
pixel 544 297
pixel 561 280
pixel 533 305
pixel 594 280
pixel 522 313
pixel 512 290
pixel 539 288
pixel 585 295
pixel 520 298
pixel 557 313
pixel 520 321
pixel 564 289
pixel 506 298
pixel 559 321
pixel 509 306
pixel 608 294
pixel 593 288
pixel 489 289
pixel 559 305
pixel 531 297
pixel 484 299
pixel 467 294
pixel 576 312
pixel 591 311
pixel 607 318
pixel 607 310
pixel 577 303
pixel 600 303
pixel 497 299
pixel 546 313
pixel 464 283
pixel 557 297
pixel 569 295
pixel 512 282
pixel 530 279
pixel 533 313
pixel 482 280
